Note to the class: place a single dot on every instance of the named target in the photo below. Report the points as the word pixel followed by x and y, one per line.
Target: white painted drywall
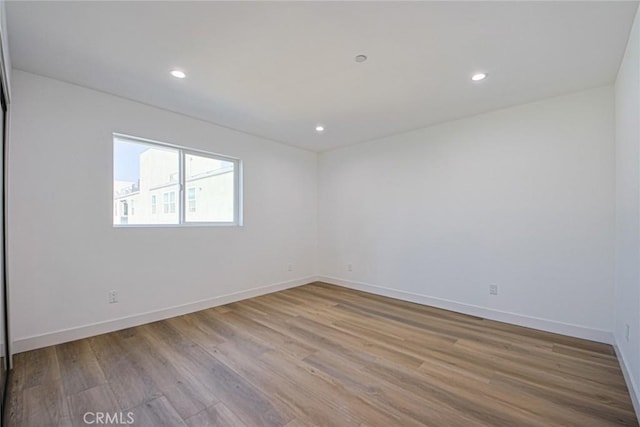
pixel 521 197
pixel 64 253
pixel 627 249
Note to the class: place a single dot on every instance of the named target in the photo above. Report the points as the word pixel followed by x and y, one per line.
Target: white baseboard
pixel 72 334
pixel 634 391
pixel 572 330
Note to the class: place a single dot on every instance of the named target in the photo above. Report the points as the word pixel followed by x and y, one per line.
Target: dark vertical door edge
pixel 3 279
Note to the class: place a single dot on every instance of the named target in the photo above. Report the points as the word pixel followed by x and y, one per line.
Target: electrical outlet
pixel 113 297
pixel 290 267
pixel 627 332
pixel 349 267
pixel 493 289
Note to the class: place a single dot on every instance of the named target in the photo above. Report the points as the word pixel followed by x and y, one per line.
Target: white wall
pixel 521 197
pixel 627 272
pixel 64 253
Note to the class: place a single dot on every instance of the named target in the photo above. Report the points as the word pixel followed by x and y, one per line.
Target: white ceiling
pixel 278 69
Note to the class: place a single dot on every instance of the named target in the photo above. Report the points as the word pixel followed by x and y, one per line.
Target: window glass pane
pixel 210 189
pixel 142 174
pixel 149 183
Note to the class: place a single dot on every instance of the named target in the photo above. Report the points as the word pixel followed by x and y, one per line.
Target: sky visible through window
pixel 126 160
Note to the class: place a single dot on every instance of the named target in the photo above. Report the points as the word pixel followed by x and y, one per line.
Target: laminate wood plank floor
pixel 327 356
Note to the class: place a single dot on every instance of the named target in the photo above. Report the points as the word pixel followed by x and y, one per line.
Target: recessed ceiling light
pixel 361 58
pixel 178 74
pixel 478 77
pixel 319 128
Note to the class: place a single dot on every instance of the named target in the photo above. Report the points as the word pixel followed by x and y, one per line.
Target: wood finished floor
pixel 323 355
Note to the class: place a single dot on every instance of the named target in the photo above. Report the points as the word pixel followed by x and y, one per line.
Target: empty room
pixel 369 214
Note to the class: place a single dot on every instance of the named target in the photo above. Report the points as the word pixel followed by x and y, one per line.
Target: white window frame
pixel 182 193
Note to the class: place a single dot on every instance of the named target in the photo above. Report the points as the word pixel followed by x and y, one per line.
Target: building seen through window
pixel 147 184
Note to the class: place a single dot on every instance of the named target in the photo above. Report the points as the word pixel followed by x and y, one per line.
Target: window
pixel 191 199
pixel 193 187
pixel 169 202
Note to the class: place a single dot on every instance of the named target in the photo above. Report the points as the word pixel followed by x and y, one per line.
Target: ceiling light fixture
pixel 361 58
pixel 319 128
pixel 178 74
pixel 478 77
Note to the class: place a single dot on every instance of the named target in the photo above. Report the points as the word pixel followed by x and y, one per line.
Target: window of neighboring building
pixel 194 187
pixel 191 199
pixel 165 203
pixel 169 202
